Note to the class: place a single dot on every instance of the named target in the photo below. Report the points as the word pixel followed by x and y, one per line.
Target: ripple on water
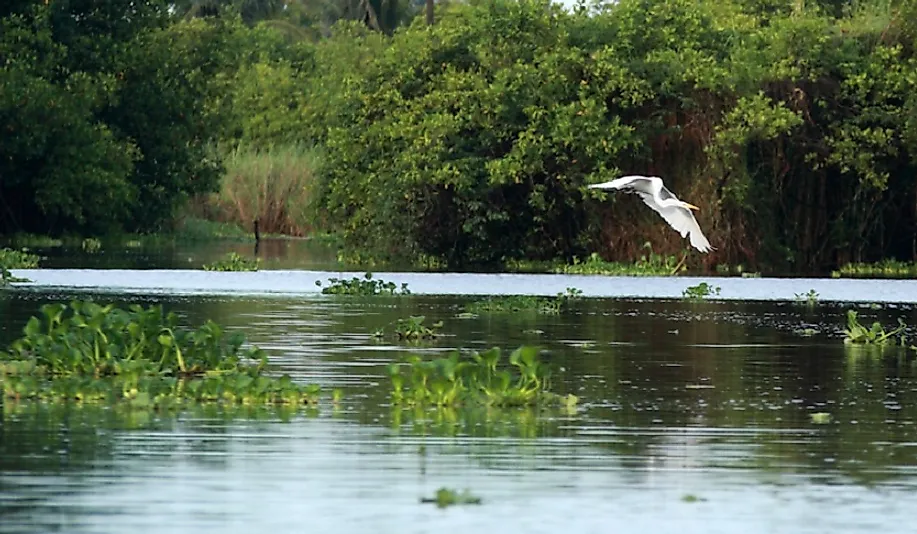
pixel 693 417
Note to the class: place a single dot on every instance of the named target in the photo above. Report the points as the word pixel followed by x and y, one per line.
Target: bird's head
pixel 689 206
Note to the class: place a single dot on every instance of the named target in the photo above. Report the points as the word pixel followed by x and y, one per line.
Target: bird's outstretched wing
pixel 634 183
pixel 679 218
pixel 683 221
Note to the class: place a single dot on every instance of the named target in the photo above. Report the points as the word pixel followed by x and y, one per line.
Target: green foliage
pixel 15 259
pixel 468 143
pixel 524 303
pixel 856 333
pixel 191 229
pixel 446 497
pixel 362 286
pixel 91 245
pixel 18 259
pixel 107 119
pixel 885 268
pixel 478 379
pixel 413 329
pixel 234 262
pixel 461 136
pixel 471 141
pixel 271 185
pixel 140 356
pixel 649 264
pixel 700 291
pixel 810 298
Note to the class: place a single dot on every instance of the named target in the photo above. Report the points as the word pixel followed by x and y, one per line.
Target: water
pixel 275 253
pixel 304 282
pixel 693 416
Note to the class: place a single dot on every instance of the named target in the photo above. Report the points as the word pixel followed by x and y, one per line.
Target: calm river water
pixel 694 416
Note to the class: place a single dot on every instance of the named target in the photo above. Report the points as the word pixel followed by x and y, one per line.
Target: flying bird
pixel 655 195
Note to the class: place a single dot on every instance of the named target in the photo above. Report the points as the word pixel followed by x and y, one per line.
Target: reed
pixel 271 185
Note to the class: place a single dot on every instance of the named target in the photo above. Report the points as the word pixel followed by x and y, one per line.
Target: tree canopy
pixel 792 124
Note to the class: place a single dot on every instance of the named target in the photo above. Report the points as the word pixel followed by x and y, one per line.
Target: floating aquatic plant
pixel 93 353
pixel 446 497
pixel 91 245
pixel 887 268
pixel 15 259
pixel 234 262
pixel 820 418
pixel 481 378
pixel 810 299
pixel 524 303
pixel 412 329
pixel 362 286
pixel 700 291
pixel 649 264
pixel 856 333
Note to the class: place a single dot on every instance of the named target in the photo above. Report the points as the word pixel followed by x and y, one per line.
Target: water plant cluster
pixel 446 497
pixel 809 299
pixel 856 333
pixel 524 303
pixel 91 245
pixel 234 262
pixel 700 291
pixel 482 378
pixel 649 264
pixel 15 259
pixel 365 286
pixel 885 268
pixel 88 352
pixel 412 329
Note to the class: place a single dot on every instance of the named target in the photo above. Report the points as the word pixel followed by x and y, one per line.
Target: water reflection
pixel 712 400
pixel 149 254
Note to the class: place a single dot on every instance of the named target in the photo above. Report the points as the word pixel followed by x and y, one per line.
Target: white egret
pixel 655 195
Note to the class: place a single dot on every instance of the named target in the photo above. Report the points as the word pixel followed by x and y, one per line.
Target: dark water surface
pixel 275 253
pixel 694 417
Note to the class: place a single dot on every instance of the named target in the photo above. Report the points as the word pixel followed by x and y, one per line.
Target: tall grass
pixel 271 185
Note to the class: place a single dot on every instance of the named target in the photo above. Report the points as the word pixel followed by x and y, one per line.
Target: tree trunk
pixel 429 12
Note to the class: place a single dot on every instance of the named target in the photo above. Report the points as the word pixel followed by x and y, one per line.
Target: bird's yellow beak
pixel 691 207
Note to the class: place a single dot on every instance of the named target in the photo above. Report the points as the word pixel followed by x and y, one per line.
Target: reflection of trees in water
pixel 56 438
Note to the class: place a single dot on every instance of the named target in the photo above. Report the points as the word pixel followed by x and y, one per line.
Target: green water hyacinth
pixel 234 262
pixel 446 497
pixel 412 329
pixel 649 264
pixel 365 286
pixel 481 378
pixel 700 291
pixel 524 303
pixel 15 259
pixel 884 268
pixel 92 353
pixel 856 333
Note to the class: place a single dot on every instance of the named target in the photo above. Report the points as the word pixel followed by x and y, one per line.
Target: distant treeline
pixel 469 142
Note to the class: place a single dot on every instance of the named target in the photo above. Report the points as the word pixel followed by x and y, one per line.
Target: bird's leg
pixel 680 264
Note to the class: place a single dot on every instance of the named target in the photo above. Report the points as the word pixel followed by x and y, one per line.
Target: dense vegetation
pixel 141 356
pixel 469 142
